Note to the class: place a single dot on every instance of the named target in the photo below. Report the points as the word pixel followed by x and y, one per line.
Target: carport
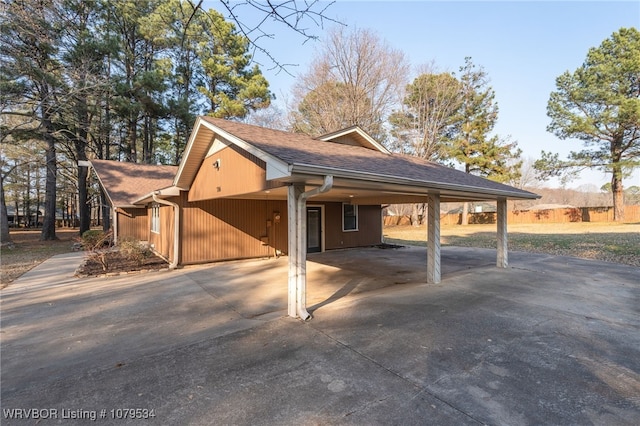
pixel 379 190
pixel 227 161
pixel 350 167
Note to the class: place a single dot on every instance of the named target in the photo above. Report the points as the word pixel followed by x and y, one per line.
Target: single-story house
pixel 243 191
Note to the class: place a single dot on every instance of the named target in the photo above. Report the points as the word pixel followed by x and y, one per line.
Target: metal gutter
pixel 170 191
pixel 380 178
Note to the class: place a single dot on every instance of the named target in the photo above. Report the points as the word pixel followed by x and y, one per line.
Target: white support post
pixel 293 194
pixel 433 239
pixel 297 225
pixel 301 275
pixel 502 260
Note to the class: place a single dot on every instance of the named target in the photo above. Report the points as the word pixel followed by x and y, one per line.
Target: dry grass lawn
pixel 611 242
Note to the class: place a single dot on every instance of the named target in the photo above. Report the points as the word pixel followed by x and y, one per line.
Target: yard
pixel 619 243
pixel 611 242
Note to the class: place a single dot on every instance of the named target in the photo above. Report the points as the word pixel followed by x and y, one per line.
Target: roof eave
pixel 171 191
pixel 307 169
pixel 275 167
pixel 372 142
pixel 104 188
pixel 187 151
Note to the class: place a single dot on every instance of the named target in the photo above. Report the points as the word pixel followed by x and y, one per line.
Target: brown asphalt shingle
pixel 299 149
pixel 126 182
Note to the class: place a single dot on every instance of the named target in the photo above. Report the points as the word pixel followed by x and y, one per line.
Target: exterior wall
pixel 239 173
pixel 227 229
pixel 133 223
pixel 162 242
pixel 215 230
pixel 369 227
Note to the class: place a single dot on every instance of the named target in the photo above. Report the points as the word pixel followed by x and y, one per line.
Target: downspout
pixel 115 225
pixel 302 248
pixel 176 228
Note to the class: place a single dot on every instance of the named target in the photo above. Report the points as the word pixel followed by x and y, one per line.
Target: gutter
pixel 302 248
pixel 176 228
pixel 374 177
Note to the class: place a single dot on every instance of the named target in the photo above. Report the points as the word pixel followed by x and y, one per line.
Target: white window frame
pixel 155 218
pixel 355 213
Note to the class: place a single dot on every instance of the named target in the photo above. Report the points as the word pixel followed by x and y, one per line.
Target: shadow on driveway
pixel 550 340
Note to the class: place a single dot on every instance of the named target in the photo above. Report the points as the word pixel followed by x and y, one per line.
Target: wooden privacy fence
pixel 577 214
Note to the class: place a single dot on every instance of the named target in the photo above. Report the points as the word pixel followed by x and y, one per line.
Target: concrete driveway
pixel 550 340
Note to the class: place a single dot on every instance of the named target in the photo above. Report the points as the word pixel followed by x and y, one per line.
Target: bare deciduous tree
pixel 355 79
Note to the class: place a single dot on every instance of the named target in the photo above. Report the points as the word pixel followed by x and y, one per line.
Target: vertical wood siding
pixel 163 241
pixel 133 223
pixel 227 229
pixel 215 230
pixel 239 173
pixel 369 227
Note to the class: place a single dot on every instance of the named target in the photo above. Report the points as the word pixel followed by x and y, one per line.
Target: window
pixel 155 218
pixel 349 217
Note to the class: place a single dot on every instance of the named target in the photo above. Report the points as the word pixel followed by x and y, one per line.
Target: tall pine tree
pixel 473 146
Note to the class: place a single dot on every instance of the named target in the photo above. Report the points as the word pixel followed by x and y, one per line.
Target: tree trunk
pixel 83 200
pixel 618 194
pixel 80 142
pixel 415 216
pixel 5 237
pixel 465 214
pixel 106 211
pixel 132 140
pixel 49 221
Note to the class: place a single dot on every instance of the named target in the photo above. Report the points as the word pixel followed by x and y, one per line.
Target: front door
pixel 314 229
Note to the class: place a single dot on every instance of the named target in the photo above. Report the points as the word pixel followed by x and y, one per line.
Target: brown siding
pixel 239 173
pixel 347 139
pixel 369 227
pixel 234 229
pixel 133 223
pixel 162 241
pixel 215 230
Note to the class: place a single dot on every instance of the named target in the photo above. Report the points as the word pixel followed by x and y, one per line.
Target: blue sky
pixel 523 47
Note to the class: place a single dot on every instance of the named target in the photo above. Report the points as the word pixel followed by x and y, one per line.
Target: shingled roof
pixel 302 151
pixel 125 182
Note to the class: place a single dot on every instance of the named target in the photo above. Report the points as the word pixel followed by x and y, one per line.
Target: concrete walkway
pixel 55 271
pixel 550 340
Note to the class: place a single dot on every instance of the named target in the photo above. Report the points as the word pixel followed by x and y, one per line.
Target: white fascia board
pixel 104 188
pixel 372 141
pixel 187 150
pixel 375 144
pixel 276 171
pixel 276 168
pixel 374 177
